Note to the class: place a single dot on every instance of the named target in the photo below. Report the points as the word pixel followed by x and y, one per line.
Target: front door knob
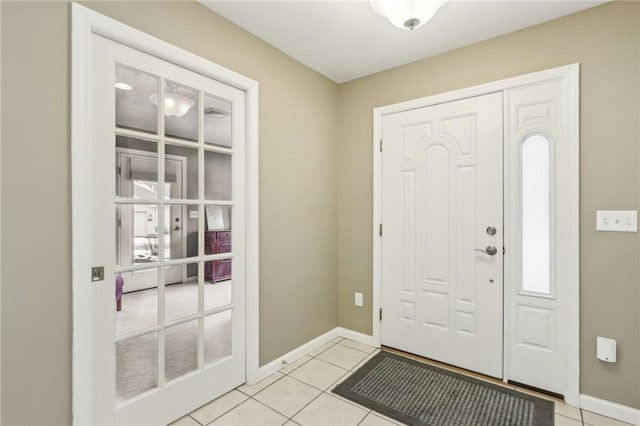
pixel 490 250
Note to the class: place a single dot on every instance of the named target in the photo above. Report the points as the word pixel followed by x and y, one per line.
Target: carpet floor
pixel 423 395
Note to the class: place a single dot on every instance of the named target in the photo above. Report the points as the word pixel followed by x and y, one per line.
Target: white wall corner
pixel 610 409
pixel 304 349
pixel 294 355
pixel 355 336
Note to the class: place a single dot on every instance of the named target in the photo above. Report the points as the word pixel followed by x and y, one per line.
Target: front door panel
pixel 442 257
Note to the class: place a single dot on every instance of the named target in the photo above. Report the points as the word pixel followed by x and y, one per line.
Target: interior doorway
pixel 138 238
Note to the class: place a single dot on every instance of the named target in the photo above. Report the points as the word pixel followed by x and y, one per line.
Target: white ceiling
pixel 344 40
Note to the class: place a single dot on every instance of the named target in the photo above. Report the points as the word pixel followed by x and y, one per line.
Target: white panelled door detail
pixel 539 114
pixel 442 263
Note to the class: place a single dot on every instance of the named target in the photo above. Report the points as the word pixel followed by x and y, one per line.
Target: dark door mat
pixel 423 395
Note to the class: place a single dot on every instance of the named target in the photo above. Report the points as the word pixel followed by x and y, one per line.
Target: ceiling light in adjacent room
pixel 175 105
pixel 215 113
pixel 123 86
pixel 407 14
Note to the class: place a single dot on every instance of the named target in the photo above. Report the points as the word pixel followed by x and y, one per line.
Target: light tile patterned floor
pixel 300 395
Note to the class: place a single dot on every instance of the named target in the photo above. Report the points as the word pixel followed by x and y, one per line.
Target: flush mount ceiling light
pixel 407 14
pixel 175 105
pixel 123 86
pixel 215 113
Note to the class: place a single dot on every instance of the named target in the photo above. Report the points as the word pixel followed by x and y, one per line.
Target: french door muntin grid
pixel 162 325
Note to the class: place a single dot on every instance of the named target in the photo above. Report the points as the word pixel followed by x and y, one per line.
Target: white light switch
pixel 617 220
pixel 193 214
pixel 358 301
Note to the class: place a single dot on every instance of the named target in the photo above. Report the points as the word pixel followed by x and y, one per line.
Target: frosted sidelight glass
pixel 536 222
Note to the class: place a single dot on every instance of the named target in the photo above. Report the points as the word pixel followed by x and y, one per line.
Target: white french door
pixel 442 212
pixel 171 348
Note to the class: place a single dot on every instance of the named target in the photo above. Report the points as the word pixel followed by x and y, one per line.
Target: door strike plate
pixel 97 273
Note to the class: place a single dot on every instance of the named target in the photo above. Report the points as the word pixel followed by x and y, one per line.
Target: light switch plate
pixel 193 214
pixel 617 220
pixel 358 299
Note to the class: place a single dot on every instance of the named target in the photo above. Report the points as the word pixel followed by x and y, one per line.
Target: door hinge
pixel 119 170
pixel 380 145
pixel 503 251
pixel 380 230
pixel 120 222
pixel 380 314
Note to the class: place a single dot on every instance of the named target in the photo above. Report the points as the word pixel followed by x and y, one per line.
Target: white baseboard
pixel 296 354
pixel 300 351
pixel 355 336
pixel 610 409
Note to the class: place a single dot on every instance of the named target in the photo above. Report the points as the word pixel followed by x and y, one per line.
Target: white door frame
pixel 571 177
pixel 183 189
pixel 86 22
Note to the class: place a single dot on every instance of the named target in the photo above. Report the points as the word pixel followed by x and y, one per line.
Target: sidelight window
pixel 536 218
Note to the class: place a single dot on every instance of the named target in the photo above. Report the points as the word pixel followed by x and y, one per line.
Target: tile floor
pixel 300 394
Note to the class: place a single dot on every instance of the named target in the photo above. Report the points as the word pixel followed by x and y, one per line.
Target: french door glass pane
pixel 181 349
pixel 217 176
pixel 134 109
pixel 176 157
pixel 175 232
pixel 145 232
pixel 218 218
pixel 217 335
pixel 217 121
pixel 136 366
pixel 536 198
pixel 181 299
pixel 217 294
pixel 136 162
pixel 180 111
pixel 217 241
pixel 138 309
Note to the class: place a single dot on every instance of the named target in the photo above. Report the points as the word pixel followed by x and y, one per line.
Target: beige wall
pixel 312 233
pixel 605 41
pixel 298 202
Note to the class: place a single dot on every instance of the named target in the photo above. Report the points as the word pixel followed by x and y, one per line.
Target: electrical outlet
pixel 358 301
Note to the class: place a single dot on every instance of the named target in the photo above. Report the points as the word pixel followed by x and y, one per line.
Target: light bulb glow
pixel 122 85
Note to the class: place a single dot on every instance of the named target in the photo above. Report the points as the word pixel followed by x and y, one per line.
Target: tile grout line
pixel 194 419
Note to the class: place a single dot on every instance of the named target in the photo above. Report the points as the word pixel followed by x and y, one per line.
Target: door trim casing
pixel 571 258
pixel 86 22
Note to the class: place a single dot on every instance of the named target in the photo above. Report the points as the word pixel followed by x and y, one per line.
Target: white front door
pixel 170 348
pixel 442 233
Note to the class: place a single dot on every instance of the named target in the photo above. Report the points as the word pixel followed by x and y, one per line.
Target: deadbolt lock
pixel 491 230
